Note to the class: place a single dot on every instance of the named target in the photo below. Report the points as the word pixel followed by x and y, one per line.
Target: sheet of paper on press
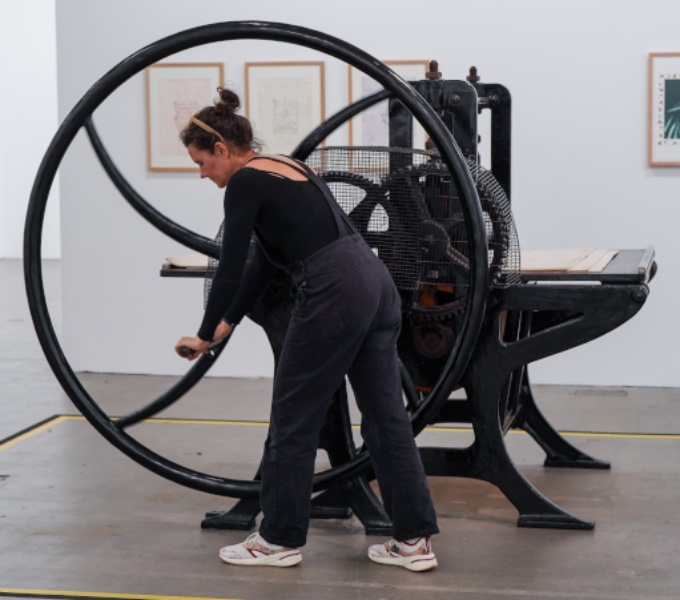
pixel 572 260
pixel 195 260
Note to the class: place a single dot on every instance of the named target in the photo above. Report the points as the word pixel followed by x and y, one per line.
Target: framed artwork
pixel 370 127
pixel 664 109
pixel 174 92
pixel 285 101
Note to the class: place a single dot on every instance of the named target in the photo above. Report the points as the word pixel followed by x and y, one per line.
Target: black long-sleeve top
pixel 291 219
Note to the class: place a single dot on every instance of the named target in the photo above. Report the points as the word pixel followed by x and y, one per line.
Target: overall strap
pixel 342 221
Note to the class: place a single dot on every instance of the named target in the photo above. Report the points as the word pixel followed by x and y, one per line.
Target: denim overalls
pixel 346 321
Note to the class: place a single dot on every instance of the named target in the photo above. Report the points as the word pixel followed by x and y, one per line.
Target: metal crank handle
pixel 186 352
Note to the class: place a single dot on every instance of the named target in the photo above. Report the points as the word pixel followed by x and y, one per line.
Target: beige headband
pixel 207 128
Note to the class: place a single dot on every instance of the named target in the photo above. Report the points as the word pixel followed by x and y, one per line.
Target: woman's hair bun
pixel 220 123
pixel 228 102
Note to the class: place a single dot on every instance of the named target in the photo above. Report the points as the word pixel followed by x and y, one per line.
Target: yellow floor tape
pixel 97 595
pixel 441 429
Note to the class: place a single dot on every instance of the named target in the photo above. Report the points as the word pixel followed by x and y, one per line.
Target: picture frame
pixel 664 109
pixel 370 127
pixel 174 92
pixel 285 101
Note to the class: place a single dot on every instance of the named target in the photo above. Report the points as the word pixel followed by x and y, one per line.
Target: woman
pixel 346 321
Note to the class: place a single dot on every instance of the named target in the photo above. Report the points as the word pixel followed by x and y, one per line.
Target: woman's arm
pixel 255 278
pixel 241 206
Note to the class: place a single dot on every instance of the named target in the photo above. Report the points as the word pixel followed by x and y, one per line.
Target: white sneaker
pixel 417 556
pixel 256 551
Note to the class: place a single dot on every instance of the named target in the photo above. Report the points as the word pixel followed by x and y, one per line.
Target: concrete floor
pixel 79 519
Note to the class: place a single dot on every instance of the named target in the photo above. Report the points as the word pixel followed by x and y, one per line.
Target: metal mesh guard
pixel 406 206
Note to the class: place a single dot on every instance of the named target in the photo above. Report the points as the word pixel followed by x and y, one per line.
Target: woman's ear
pixel 221 149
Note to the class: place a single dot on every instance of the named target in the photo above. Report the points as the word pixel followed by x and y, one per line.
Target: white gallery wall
pixel 577 72
pixel 28 105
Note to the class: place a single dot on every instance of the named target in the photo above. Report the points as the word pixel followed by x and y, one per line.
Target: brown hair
pixel 235 130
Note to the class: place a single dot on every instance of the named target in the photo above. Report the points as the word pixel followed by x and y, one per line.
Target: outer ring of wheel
pixel 76 119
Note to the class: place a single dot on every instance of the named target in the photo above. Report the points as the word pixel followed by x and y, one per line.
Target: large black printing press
pixel 473 316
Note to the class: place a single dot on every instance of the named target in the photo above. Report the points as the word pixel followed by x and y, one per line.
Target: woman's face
pixel 217 166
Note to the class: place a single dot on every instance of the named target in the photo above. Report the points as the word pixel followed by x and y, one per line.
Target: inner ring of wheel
pixel 110 82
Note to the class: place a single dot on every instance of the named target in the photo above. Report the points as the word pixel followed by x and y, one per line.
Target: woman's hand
pixel 222 331
pixel 195 344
